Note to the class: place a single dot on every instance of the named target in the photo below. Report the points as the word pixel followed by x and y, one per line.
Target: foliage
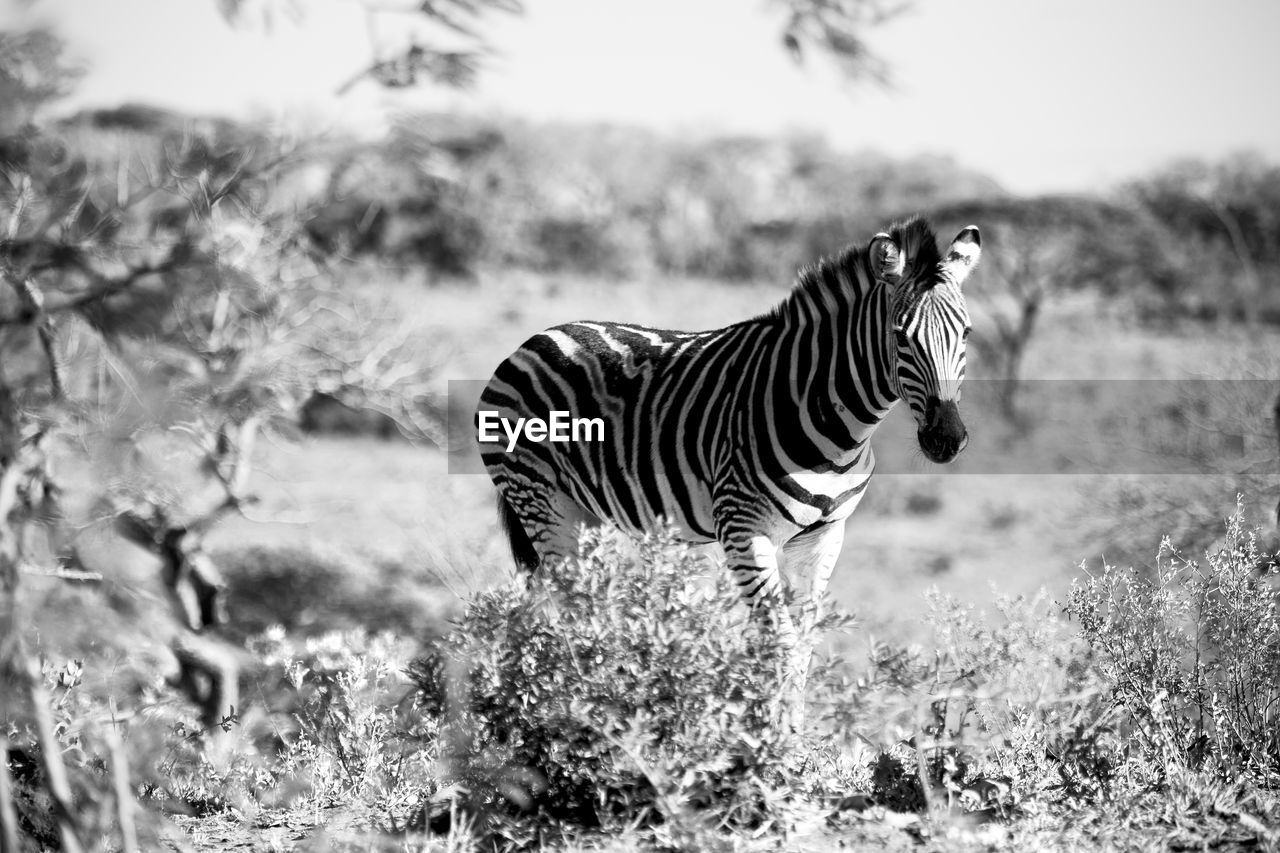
pixel 32 74
pixel 1225 216
pixel 351 734
pixel 836 27
pixel 447 46
pixel 1193 655
pixel 1223 431
pixel 991 714
pixel 620 693
pixel 149 285
pixel 618 689
pixel 1041 248
pixel 443 44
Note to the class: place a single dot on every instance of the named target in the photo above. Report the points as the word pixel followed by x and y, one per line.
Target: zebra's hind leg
pixel 811 558
pixel 542 522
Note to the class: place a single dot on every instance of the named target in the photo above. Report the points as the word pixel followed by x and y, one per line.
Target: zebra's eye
pixel 902 337
pixel 965 335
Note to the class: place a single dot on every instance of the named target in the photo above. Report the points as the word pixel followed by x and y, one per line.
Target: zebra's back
pixel 655 393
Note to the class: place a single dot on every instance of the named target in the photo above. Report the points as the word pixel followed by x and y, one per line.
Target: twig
pixel 62 573
pixel 32 301
pixel 8 816
pixel 124 799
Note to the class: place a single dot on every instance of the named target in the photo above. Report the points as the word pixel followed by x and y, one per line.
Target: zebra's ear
pixel 963 255
pixel 886 258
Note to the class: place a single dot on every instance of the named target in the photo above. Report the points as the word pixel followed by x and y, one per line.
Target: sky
pixel 1043 95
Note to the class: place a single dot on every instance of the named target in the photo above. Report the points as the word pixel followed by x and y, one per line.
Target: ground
pixel 414 535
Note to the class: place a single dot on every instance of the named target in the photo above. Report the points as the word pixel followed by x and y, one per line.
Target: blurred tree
pixel 836 28
pixel 32 75
pixel 447 51
pixel 1226 215
pixel 1038 248
pixel 155 296
pixel 181 321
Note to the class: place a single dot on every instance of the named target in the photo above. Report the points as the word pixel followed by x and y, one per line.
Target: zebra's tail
pixel 526 556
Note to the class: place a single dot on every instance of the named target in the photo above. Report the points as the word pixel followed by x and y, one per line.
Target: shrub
pixel 352 737
pixel 994 711
pixel 614 689
pixel 1193 654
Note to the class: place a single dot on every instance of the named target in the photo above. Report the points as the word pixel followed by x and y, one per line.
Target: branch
pixel 836 28
pixel 32 302
pixel 8 815
pixel 25 460
pixel 450 68
pixel 233 482
pixel 104 287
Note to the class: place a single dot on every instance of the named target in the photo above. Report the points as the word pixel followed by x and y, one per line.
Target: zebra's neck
pixel 833 345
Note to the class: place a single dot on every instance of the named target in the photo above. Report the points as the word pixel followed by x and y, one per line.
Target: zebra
pixel 755 435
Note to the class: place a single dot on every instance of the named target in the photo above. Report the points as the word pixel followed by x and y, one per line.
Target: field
pixel 252 599
pixel 958 708
pixel 960 531
pixel 394 525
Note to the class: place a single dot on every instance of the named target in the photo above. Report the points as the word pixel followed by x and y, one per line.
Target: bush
pixel 349 736
pixel 993 712
pixel 1193 655
pixel 616 689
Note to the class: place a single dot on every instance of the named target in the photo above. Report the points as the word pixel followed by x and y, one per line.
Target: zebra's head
pixel 928 328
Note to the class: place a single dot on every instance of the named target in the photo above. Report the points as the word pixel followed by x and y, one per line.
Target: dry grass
pixel 378 533
pixel 393 502
pixel 397 502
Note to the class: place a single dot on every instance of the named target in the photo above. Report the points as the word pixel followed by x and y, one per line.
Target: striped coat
pixel 756 435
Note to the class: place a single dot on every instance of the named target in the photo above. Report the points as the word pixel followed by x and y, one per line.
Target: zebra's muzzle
pixel 943 435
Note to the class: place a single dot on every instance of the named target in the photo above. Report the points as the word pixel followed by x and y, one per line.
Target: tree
pixel 445 45
pixel 158 309
pixel 1226 216
pixel 836 28
pixel 1041 247
pixel 448 48
pixel 32 75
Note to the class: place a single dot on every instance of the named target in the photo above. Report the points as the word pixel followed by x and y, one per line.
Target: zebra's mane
pixel 848 272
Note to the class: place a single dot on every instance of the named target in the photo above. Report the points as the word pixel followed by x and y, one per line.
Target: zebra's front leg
pixel 753 560
pixel 811 558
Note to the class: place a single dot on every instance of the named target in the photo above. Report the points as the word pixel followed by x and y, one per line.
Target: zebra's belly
pixel 648 499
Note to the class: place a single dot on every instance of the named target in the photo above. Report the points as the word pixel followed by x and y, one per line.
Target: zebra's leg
pixel 549 517
pixel 811 558
pixel 753 560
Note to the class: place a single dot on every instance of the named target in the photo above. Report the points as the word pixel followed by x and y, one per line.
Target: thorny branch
pixel 37 305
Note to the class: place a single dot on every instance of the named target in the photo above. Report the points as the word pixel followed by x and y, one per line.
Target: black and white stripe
pixel 755 435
